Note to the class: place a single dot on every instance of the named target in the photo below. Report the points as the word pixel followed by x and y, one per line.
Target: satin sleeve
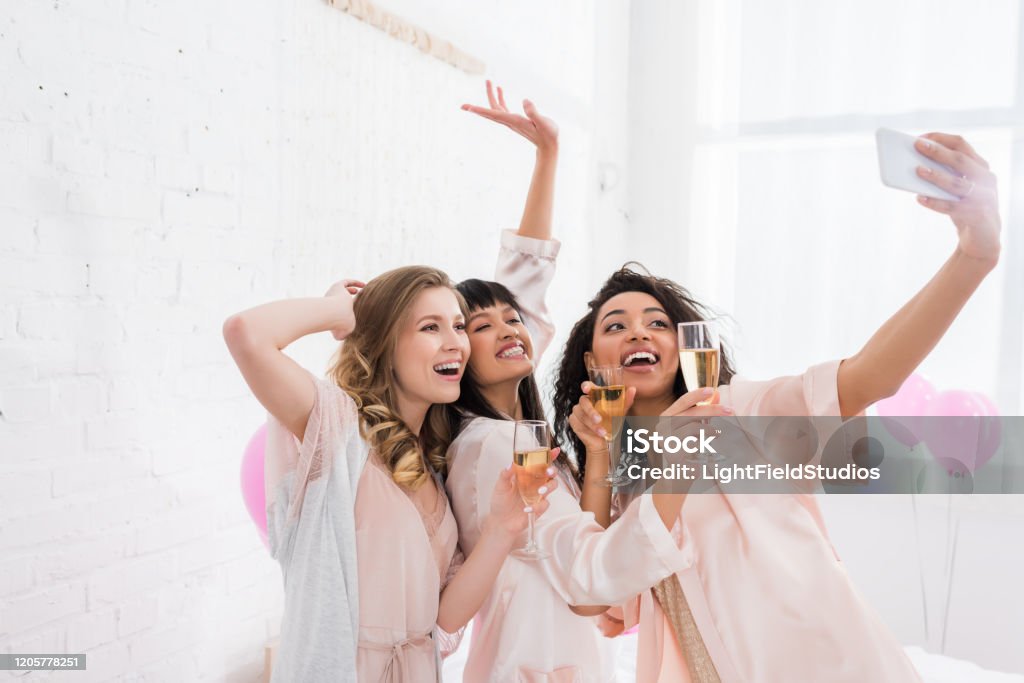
pixel 813 393
pixel 447 642
pixel 526 266
pixel 589 565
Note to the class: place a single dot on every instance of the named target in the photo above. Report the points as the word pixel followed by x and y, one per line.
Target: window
pixel 791 231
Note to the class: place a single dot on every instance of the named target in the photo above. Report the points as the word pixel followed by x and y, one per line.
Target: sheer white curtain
pixel 789 228
pixel 754 181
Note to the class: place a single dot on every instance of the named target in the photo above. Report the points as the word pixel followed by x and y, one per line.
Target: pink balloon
pixel 955 432
pixel 908 404
pixel 911 399
pixel 991 430
pixel 253 493
pixel 990 406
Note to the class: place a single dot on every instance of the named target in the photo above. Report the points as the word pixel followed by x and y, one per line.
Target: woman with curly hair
pixel 357 516
pixel 763 596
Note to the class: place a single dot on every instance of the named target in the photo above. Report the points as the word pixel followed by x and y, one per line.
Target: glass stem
pixel 610 477
pixel 530 544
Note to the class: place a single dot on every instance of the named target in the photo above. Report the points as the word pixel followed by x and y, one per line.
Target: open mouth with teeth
pixel 514 352
pixel 448 369
pixel 640 359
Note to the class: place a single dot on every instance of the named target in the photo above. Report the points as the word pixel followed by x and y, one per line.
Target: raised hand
pixel 347 290
pixel 976 213
pixel 540 130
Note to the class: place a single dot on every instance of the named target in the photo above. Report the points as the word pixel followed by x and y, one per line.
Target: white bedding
pixel 933 668
pixel 941 669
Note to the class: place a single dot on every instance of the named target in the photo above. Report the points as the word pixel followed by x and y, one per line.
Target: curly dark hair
pixel 480 294
pixel 680 306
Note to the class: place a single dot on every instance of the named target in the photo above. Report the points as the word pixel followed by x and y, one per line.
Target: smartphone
pixel 898 162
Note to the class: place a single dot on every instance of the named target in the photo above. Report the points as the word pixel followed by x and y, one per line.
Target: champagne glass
pixel 531 457
pixel 699 358
pixel 608 396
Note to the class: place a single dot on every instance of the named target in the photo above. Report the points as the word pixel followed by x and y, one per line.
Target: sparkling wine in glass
pixel 608 396
pixel 531 457
pixel 699 355
pixel 699 358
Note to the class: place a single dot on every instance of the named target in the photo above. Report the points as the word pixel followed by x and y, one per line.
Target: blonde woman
pixel 356 516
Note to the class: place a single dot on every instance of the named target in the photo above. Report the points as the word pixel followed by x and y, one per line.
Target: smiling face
pixel 502 347
pixel 431 350
pixel 633 329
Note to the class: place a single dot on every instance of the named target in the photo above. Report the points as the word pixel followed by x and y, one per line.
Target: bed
pixel 932 667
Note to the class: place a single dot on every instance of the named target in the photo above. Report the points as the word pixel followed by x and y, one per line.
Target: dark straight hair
pixel 680 306
pixel 480 294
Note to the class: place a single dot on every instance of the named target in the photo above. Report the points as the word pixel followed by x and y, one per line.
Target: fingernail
pixel 542 490
pixel 527 509
pixel 924 170
pixel 508 466
pixel 597 419
pixel 926 143
pixel 602 432
pixel 707 392
pixel 728 411
pixel 551 471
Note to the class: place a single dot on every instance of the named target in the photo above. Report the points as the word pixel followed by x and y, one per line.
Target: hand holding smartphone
pixel 898 162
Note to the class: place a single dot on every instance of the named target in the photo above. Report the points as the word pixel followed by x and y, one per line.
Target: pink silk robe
pixel 769 595
pixel 525 631
pixel 360 606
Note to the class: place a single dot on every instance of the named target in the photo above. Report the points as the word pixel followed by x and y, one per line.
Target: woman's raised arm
pixel 898 347
pixel 543 133
pixel 257 336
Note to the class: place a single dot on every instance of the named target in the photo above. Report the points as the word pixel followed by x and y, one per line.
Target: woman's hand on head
pixel 345 291
pixel 585 421
pixel 976 213
pixel 342 287
pixel 540 130
pixel 508 514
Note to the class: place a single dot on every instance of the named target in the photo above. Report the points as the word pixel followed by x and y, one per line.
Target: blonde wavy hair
pixel 364 368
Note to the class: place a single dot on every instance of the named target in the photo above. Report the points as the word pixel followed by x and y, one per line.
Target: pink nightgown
pixel 770 597
pixel 525 631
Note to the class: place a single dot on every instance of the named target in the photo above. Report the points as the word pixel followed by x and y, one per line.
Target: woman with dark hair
pixel 763 596
pixel 533 625
pixel 664 304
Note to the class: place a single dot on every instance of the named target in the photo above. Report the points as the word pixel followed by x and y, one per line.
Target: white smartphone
pixel 898 162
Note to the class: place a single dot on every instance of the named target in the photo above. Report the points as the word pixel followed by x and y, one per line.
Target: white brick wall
pixel 163 165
